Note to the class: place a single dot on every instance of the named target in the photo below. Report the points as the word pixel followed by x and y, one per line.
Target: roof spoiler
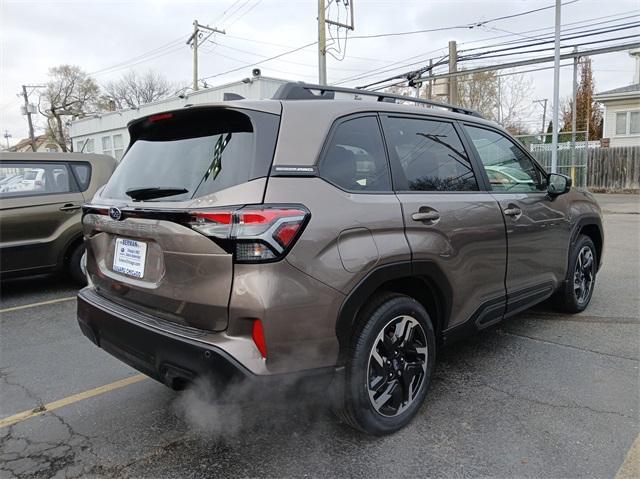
pixel 306 91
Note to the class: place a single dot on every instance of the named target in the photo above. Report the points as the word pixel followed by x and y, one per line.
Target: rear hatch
pixel 148 246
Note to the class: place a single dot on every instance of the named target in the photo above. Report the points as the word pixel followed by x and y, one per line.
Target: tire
pixel 74 268
pixel 378 357
pixel 583 260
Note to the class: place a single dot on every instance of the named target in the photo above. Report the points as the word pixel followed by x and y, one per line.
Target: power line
pixel 152 52
pixel 261 61
pixel 564 39
pixel 383 69
pixel 485 54
pixel 550 29
pixel 513 64
pixel 224 14
pixel 464 26
pixel 549 37
pixel 285 61
pixel 244 13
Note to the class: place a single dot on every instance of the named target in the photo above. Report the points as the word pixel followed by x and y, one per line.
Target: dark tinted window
pixel 30 179
pixel 203 150
pixel 427 156
pixel 83 174
pixel 507 166
pixel 355 158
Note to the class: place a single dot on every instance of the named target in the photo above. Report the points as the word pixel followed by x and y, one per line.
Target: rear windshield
pixel 201 150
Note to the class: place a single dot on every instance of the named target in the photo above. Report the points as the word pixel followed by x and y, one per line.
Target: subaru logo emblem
pixel 115 213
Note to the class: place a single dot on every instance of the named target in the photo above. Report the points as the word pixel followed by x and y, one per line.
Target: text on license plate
pixel 129 257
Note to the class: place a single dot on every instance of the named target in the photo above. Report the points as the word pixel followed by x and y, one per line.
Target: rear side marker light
pixel 257 334
pixel 253 234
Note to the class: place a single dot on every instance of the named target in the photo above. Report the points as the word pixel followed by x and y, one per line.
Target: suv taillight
pixel 253 234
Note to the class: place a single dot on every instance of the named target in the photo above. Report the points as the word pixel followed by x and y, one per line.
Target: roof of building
pixel 625 89
pixel 40 139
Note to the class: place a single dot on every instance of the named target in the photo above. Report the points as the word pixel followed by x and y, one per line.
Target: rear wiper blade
pixel 140 194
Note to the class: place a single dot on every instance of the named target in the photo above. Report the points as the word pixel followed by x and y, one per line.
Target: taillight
pixel 253 234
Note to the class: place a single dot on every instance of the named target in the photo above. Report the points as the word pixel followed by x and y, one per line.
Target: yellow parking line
pixel 33 305
pixel 24 415
pixel 630 468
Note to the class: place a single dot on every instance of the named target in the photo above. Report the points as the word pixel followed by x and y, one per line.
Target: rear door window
pixel 427 155
pixel 31 179
pixel 354 159
pixel 200 150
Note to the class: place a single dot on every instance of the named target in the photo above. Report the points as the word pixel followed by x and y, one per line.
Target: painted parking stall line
pixel 52 406
pixel 35 305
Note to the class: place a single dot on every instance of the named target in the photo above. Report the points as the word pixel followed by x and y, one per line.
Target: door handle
pixel 426 216
pixel 70 207
pixel 513 211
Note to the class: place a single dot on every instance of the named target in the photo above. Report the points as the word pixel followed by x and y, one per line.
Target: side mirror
pixel 558 184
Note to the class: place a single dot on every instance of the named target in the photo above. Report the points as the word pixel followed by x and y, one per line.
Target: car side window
pixel 354 159
pixel 507 166
pixel 31 179
pixel 427 155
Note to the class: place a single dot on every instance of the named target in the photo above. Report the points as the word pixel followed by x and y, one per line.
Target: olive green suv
pixel 41 197
pixel 332 235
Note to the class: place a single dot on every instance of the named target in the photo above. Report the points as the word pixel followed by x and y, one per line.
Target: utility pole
pixel 543 102
pixel 453 67
pixel 322 44
pixel 556 91
pixel 574 97
pixel 430 87
pixel 194 38
pixel 499 100
pixel 28 112
pixel 7 135
pixel 322 34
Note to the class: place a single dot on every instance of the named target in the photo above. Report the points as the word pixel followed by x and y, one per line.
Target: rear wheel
pixel 74 266
pixel 388 371
pixel 576 293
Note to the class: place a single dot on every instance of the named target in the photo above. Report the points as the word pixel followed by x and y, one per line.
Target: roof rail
pixel 307 91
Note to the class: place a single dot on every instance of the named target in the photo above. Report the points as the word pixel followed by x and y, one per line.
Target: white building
pixel 622 111
pixel 107 132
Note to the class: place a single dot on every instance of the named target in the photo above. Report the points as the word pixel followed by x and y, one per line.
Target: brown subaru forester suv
pixel 328 234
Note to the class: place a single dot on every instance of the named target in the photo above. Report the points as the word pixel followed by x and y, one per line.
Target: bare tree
pixel 515 95
pixel 70 92
pixel 133 90
pixel 479 92
pixel 503 99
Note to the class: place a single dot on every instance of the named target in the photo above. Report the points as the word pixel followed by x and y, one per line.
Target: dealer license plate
pixel 129 257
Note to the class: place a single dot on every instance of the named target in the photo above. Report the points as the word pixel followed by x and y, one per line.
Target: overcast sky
pixel 106 38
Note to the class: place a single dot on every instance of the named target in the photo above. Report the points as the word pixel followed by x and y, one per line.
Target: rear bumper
pixel 173 354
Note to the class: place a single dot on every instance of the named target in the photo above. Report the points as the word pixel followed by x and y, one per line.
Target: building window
pixel 621 123
pixel 634 122
pixel 118 147
pixel 106 145
pixel 628 123
pixel 85 146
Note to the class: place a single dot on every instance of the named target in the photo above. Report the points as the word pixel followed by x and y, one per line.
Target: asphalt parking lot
pixel 542 395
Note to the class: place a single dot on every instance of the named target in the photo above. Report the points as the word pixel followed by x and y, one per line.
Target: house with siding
pixel 42 143
pixel 622 111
